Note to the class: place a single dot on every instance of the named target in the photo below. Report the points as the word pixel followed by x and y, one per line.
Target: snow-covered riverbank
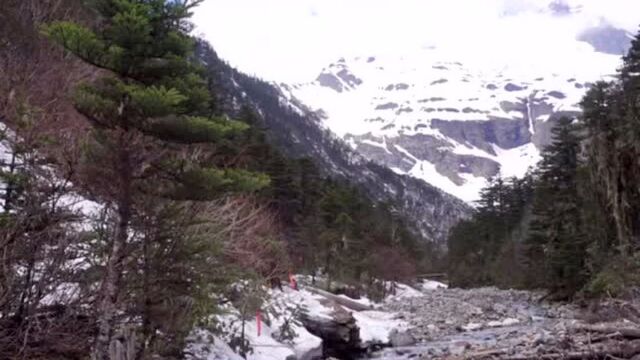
pixel 427 321
pixel 376 325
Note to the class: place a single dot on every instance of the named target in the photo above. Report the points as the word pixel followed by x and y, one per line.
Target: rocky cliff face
pixel 298 132
pixel 454 124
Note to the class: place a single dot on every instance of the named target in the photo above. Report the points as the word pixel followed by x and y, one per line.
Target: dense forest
pixel 571 225
pixel 131 204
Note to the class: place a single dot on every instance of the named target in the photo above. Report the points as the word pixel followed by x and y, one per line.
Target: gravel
pixel 451 322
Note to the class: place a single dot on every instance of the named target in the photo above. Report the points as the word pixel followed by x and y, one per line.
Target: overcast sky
pixel 292 40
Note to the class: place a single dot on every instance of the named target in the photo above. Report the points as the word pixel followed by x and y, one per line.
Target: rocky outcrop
pixel 331 81
pixel 405 151
pixel 401 338
pixel 387 106
pixel 607 39
pixel 339 333
pixel 349 78
pixel 342 80
pixel 533 119
pixel 505 133
pixel 513 87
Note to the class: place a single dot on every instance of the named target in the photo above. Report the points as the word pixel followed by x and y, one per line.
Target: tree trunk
pixel 327 265
pixel 111 280
pixel 627 331
pixel 349 304
pixel 8 194
pixel 146 313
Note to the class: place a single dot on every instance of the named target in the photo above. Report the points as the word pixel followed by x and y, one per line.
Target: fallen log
pixel 482 354
pixel 349 304
pixel 627 332
pixel 605 337
pixel 625 349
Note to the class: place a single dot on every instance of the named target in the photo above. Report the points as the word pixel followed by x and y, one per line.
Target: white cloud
pixel 291 40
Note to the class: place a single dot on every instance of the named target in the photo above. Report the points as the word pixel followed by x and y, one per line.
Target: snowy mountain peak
pixel 449 122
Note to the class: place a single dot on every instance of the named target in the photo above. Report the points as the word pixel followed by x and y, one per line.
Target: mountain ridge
pixel 298 132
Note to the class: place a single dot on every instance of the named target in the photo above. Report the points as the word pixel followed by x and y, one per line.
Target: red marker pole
pixel 292 282
pixel 259 321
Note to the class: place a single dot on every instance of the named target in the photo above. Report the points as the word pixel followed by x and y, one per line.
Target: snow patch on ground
pixel 517 161
pixel 279 307
pixel 206 346
pixel 472 326
pixel 402 292
pixel 363 300
pixel 65 293
pixel 375 326
pixel 503 322
pixel 429 285
pixel 468 191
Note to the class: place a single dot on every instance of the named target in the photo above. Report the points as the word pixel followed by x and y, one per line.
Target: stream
pixel 454 322
pixel 458 344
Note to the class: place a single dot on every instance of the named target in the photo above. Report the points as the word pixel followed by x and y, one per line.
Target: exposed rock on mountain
pixel 607 39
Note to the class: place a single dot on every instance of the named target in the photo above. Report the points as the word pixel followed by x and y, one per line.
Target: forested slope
pixel 571 225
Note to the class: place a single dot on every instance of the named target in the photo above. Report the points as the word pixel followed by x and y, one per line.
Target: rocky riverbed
pixel 489 323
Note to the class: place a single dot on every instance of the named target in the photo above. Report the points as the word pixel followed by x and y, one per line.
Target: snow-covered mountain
pixel 455 122
pixel 297 133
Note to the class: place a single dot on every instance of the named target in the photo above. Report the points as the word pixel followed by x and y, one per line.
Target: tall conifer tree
pixel 149 97
pixel 556 231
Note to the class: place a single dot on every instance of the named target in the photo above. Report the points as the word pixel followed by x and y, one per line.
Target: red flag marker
pixel 259 321
pixel 292 282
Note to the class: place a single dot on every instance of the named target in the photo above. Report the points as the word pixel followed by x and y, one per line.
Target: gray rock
pixel 401 338
pixel 513 87
pixel 404 109
pixel 387 106
pixel 506 133
pixel 349 78
pixel 607 39
pixel 439 81
pixel 557 94
pixel 331 81
pixel 499 308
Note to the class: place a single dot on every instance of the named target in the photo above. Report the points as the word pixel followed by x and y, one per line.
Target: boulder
pixel 340 335
pixel 401 338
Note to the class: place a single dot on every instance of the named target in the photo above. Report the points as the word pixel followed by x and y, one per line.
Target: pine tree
pixel 612 122
pixel 629 145
pixel 149 103
pixel 556 232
